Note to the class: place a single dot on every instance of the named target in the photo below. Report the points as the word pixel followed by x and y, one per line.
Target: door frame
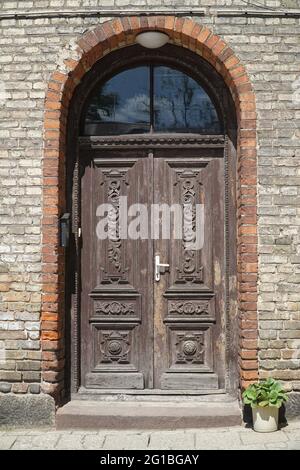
pixel 204 73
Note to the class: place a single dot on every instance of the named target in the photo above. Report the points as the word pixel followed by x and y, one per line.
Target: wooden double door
pixel 145 326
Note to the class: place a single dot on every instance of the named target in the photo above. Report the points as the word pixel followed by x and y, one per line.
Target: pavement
pixel 231 438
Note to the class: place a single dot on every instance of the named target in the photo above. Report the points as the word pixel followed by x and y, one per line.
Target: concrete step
pixel 92 414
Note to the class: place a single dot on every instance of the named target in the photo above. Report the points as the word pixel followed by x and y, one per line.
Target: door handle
pixel 159 268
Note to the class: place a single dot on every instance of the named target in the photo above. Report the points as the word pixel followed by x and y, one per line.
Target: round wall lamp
pixel 152 39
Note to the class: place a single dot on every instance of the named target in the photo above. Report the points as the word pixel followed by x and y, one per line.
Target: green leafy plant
pixel 268 392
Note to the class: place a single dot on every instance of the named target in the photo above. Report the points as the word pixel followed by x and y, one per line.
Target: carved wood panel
pixel 190 348
pixel 114 308
pixel 116 298
pixel 114 347
pixel 191 294
pixel 193 310
pixel 115 185
pixel 189 185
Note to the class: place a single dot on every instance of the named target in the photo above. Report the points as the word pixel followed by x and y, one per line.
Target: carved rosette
pixel 190 270
pixel 115 347
pixel 189 348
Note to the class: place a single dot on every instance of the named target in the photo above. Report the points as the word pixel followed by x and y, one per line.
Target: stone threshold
pixel 142 414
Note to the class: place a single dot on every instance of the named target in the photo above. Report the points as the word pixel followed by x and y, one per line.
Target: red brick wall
pixel 91 47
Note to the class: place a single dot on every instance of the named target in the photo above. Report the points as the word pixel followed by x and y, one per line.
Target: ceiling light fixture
pixel 152 39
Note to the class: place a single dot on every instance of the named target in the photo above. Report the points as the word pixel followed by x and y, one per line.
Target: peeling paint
pixel 218 277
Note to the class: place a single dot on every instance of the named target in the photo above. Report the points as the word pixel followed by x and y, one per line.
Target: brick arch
pixel 90 48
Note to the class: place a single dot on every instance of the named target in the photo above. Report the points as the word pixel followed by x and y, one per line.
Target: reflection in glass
pixel 121 105
pixel 181 104
pixel 151 98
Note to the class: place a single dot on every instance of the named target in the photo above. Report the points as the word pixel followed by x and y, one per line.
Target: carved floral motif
pixel 115 183
pixel 190 270
pixel 114 240
pixel 114 308
pixel 189 308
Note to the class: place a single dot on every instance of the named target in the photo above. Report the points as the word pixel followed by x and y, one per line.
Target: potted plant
pixel 265 398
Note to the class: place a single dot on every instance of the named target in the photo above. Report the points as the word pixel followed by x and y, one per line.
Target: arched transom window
pixel 150 98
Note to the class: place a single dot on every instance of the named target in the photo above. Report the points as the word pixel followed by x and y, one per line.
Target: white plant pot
pixel 265 419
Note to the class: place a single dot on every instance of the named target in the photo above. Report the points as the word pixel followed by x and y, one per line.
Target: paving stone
pixel 6 442
pixel 63 433
pixel 218 440
pixel 172 440
pixel 260 437
pixel 243 428
pixel 45 441
pixel 293 435
pixel 291 430
pixel 277 446
pixel 126 441
pixel 93 441
pixel 213 430
pixel 232 438
pixel 293 445
pixel 85 432
pixel 252 447
pixel 70 442
pixel 23 443
pixel 292 425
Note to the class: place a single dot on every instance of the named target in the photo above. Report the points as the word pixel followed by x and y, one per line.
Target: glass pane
pixel 121 105
pixel 181 104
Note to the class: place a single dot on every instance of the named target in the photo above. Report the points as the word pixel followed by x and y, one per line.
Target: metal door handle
pixel 159 267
